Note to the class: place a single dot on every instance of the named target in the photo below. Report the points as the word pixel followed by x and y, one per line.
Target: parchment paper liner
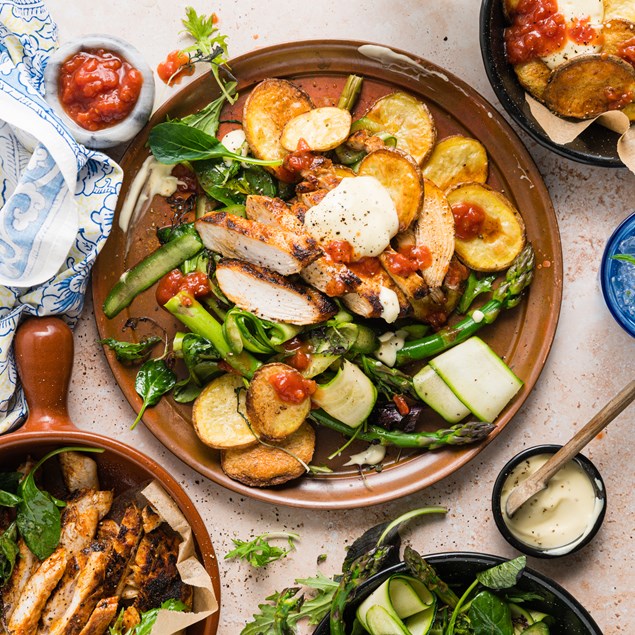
pixel 191 570
pixel 561 131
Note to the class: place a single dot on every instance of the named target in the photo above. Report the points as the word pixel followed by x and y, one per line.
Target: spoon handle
pixel 539 479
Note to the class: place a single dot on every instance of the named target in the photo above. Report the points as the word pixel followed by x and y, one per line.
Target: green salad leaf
pixel 154 380
pixel 258 552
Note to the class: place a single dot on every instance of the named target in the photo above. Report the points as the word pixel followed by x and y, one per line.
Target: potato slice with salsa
pixel 490 231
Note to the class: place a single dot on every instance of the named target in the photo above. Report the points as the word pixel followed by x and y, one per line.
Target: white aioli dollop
pixel 151 179
pixel 558 517
pixel 373 455
pixel 389 345
pixel 235 141
pixel 359 211
pixel 389 304
pixel 577 10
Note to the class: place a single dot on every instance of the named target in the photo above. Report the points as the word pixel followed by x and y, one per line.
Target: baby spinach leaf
pixel 38 516
pixel 8 552
pixel 7 499
pixel 489 615
pixel 9 481
pixel 174 142
pixel 131 351
pixel 504 575
pixel 154 380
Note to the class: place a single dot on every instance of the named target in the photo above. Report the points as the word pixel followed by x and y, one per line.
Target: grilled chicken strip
pixel 12 591
pixel 412 284
pixel 273 211
pixel 374 297
pixel 257 243
pixel 79 471
pixel 272 296
pixel 101 617
pixel 24 619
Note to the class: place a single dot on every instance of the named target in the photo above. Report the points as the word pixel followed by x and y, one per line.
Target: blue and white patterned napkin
pixel 57 197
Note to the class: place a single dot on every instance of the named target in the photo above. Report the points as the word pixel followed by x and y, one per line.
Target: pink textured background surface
pixel 591 358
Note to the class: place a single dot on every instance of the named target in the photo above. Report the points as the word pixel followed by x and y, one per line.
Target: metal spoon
pixel 539 479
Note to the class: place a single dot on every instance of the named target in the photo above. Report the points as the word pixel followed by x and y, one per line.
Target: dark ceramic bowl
pixel 600 493
pixel 595 146
pixel 459 571
pixel 615 289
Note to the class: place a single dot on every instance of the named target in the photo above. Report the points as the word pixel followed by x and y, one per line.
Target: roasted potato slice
pixel 435 230
pixel 616 33
pixel 502 233
pixel 401 176
pixel 624 9
pixel 342 171
pixel 582 87
pixel 218 415
pixel 268 109
pixel 457 159
pixel 408 120
pixel 270 416
pixel 321 129
pixel 533 77
pixel 265 466
pixel 629 111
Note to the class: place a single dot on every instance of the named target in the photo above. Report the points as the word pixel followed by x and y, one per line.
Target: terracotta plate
pixel 522 336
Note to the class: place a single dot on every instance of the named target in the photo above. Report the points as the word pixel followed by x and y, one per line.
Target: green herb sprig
pixel 258 552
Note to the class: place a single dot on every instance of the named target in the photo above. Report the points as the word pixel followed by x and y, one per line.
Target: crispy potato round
pixel 457 159
pixel 343 172
pixel 401 176
pixel 533 77
pixel 263 466
pixel 270 105
pixel 502 234
pixel 270 416
pixel 408 120
pixel 624 9
pixel 322 129
pixel 216 414
pixel 581 87
pixel 616 32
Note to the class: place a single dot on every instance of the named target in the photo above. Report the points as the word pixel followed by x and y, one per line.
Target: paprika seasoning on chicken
pixel 98 88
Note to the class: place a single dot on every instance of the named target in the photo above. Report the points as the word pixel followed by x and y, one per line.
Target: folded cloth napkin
pixel 57 197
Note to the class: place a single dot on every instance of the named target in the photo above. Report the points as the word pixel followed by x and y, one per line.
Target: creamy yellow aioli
pixel 560 516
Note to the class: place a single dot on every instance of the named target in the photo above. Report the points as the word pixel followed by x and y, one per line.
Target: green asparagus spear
pixel 461 434
pixel 475 286
pixel 508 295
pixel 350 92
pixel 424 572
pixel 389 381
pixel 358 572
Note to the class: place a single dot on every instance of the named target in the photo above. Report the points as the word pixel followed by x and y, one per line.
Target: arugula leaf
pixel 287 602
pixel 131 351
pixel 38 516
pixel 489 615
pixel 176 142
pixel 7 499
pixel 504 575
pixel 262 624
pixel 625 257
pixel 8 552
pixel 258 552
pixel 154 380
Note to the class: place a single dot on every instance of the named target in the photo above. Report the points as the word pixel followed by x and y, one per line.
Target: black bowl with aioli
pixel 459 569
pixel 594 521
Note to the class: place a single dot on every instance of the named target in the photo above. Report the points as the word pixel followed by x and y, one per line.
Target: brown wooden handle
pixel 44 354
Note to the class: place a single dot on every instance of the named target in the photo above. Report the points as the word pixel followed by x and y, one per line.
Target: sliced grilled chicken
pixel 377 297
pixel 88 591
pixel 12 591
pixel 435 230
pixel 273 211
pixel 151 520
pixel 263 245
pixel 363 140
pixel 333 278
pixel 79 471
pixel 154 570
pixel 24 619
pixel 272 296
pixel 412 284
pixel 310 199
pixel 100 618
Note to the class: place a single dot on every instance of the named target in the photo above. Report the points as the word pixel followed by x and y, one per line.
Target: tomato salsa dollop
pixel 468 220
pixel 291 386
pixel 98 88
pixel 197 283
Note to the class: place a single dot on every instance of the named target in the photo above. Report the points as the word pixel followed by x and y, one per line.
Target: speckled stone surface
pixel 591 358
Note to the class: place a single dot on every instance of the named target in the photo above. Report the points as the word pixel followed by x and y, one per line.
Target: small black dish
pixel 459 570
pixel 595 146
pixel 600 493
